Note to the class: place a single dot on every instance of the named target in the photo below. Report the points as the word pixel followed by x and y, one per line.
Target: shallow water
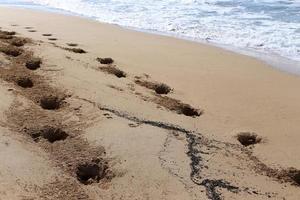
pixel 270 27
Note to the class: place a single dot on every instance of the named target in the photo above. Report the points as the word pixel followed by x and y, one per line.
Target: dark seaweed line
pixel 193 153
pixel 158 124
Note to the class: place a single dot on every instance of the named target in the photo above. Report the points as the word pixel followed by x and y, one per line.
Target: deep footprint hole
pixel 11 51
pixel 90 172
pixel 53 134
pixel 50 133
pixel 188 110
pixel 50 102
pixel 120 74
pixel 105 61
pixel 159 88
pixel 72 44
pixel 76 50
pixel 296 178
pixel 6 37
pixel 115 71
pixel 294 174
pixel 33 63
pixel 247 138
pixel 18 42
pixel 25 82
pixel 8 32
pixel 162 89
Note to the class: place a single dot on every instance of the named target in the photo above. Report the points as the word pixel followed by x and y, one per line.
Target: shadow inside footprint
pixel 51 102
pixel 33 63
pixel 18 42
pixel 113 70
pixel 176 105
pixel 72 44
pixel 10 50
pixel 248 138
pixel 75 50
pixel 52 39
pixel 53 134
pixel 25 82
pixel 8 34
pixel 50 133
pixel 47 34
pixel 90 172
pixel 105 61
pixel 159 88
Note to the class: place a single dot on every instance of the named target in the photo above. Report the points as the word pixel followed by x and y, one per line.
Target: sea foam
pixel 264 26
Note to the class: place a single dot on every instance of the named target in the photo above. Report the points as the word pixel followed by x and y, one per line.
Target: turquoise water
pixel 269 27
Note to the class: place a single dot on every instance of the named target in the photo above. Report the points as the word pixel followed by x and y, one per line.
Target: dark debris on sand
pixel 212 186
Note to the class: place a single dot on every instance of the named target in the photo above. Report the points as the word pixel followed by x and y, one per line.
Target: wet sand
pixel 94 111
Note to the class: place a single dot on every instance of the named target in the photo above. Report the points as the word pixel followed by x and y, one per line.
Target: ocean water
pixel 262 27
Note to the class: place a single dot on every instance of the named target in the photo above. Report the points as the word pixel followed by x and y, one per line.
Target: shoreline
pixel 209 68
pixel 166 113
pixel 276 61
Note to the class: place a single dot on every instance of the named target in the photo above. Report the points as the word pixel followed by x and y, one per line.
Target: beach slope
pixel 95 111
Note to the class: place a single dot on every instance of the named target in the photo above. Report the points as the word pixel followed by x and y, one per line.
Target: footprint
pixel 72 44
pixel 32 31
pixel 52 39
pixel 113 70
pixel 159 88
pixel 107 115
pixel 24 82
pixel 75 50
pixel 33 63
pixel 248 138
pixel 105 61
pixel 47 34
pixel 133 125
pixel 28 27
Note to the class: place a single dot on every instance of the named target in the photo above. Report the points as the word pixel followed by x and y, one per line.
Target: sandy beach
pixel 96 111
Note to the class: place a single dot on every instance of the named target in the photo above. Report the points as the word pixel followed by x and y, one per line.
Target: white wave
pixel 262 25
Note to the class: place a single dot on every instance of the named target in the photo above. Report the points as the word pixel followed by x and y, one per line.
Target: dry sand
pixel 104 133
